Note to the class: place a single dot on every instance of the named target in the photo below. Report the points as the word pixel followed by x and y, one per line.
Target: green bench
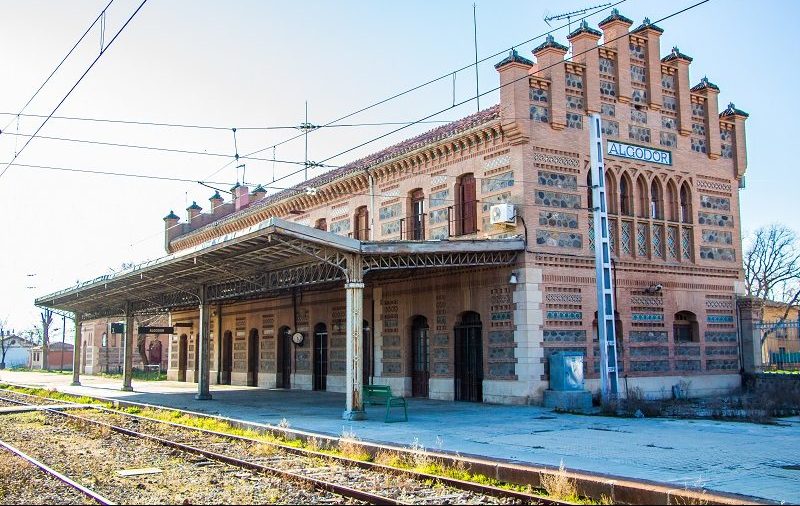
pixel 381 395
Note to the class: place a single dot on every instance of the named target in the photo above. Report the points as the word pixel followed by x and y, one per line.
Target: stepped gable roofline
pixel 733 111
pixel 550 42
pixel 362 164
pixel 513 57
pixel 584 28
pixel 646 24
pixel 615 16
pixel 676 54
pixel 703 84
pixel 172 216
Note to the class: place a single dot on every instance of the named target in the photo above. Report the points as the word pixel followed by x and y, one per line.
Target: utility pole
pixel 475 38
pixel 606 331
pixel 63 338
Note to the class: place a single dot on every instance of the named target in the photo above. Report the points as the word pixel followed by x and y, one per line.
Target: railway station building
pixel 393 270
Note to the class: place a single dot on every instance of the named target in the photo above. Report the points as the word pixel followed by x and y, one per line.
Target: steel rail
pixel 52 472
pixel 488 490
pixel 318 484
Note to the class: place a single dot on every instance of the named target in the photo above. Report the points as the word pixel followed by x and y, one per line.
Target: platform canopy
pixel 262 261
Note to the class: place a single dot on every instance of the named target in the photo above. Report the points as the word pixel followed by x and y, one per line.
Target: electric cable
pixel 526 76
pixel 73 87
pixel 99 16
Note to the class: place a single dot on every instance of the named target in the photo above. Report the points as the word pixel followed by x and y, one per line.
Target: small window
pixel 685 327
pixel 466 205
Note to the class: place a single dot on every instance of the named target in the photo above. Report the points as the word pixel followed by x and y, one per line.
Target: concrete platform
pixel 743 458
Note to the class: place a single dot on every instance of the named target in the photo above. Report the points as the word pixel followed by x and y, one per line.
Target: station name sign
pixel 156 330
pixel 639 153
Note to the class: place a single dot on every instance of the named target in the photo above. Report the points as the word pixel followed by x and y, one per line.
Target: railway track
pixel 348 479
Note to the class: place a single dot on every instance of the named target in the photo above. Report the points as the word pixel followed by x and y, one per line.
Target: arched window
pixel 361 224
pixel 656 201
pixel 625 197
pixel 611 193
pixel 672 202
pixel 643 197
pixel 685 328
pixel 466 205
pixel 685 204
pixel 321 224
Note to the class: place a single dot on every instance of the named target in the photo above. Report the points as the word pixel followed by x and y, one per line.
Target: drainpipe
pixel 371 205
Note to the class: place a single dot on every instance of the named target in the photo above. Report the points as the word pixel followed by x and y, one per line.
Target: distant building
pixel 58 356
pixel 101 349
pixel 18 351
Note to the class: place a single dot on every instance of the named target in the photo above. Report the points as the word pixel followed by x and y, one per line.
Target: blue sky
pixel 255 63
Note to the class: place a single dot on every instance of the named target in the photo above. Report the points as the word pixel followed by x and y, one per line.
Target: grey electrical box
pixel 566 371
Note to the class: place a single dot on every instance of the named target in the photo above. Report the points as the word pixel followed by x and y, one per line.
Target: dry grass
pixel 559 486
pixel 264 450
pixel 350 447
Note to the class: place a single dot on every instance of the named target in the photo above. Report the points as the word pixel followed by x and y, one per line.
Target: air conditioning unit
pixel 502 214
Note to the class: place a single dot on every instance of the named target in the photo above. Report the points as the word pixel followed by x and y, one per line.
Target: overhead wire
pixel 526 76
pixel 20 113
pixel 205 127
pixel 406 125
pixel 16 155
pixel 427 83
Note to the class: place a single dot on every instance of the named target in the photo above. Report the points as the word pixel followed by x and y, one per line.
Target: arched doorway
pixel 252 358
pixel 320 352
pixel 469 358
pixel 284 358
pixel 366 353
pixel 183 348
pixel 420 371
pixel 227 358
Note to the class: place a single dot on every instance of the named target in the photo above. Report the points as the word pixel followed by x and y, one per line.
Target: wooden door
pixel 469 359
pixel 252 359
pixel 183 345
pixel 227 358
pixel 320 372
pixel 468 202
pixel 361 224
pixel 420 372
pixel 284 358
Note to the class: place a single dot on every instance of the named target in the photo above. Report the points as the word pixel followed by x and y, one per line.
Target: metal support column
pixel 76 353
pixel 354 292
pixel 203 340
pixel 606 332
pixel 127 351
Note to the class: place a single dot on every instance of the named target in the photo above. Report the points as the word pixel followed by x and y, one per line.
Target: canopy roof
pixel 261 261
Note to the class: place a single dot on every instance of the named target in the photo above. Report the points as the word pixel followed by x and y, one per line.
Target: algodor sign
pixel 639 153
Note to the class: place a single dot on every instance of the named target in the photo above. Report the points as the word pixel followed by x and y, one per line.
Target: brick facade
pixel 671 224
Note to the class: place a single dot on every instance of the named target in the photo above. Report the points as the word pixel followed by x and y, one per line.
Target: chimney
pixel 550 59
pixel 681 63
pixel 652 34
pixel 584 50
pixel 616 26
pixel 258 194
pixel 710 91
pixel 514 96
pixel 241 196
pixel 739 150
pixel 216 201
pixel 192 212
pixel 171 229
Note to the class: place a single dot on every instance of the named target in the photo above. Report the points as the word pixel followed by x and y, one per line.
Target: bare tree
pixel 47 320
pixel 772 268
pixel 4 342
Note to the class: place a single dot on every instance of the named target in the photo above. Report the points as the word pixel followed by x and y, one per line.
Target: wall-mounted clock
pixel 297 338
